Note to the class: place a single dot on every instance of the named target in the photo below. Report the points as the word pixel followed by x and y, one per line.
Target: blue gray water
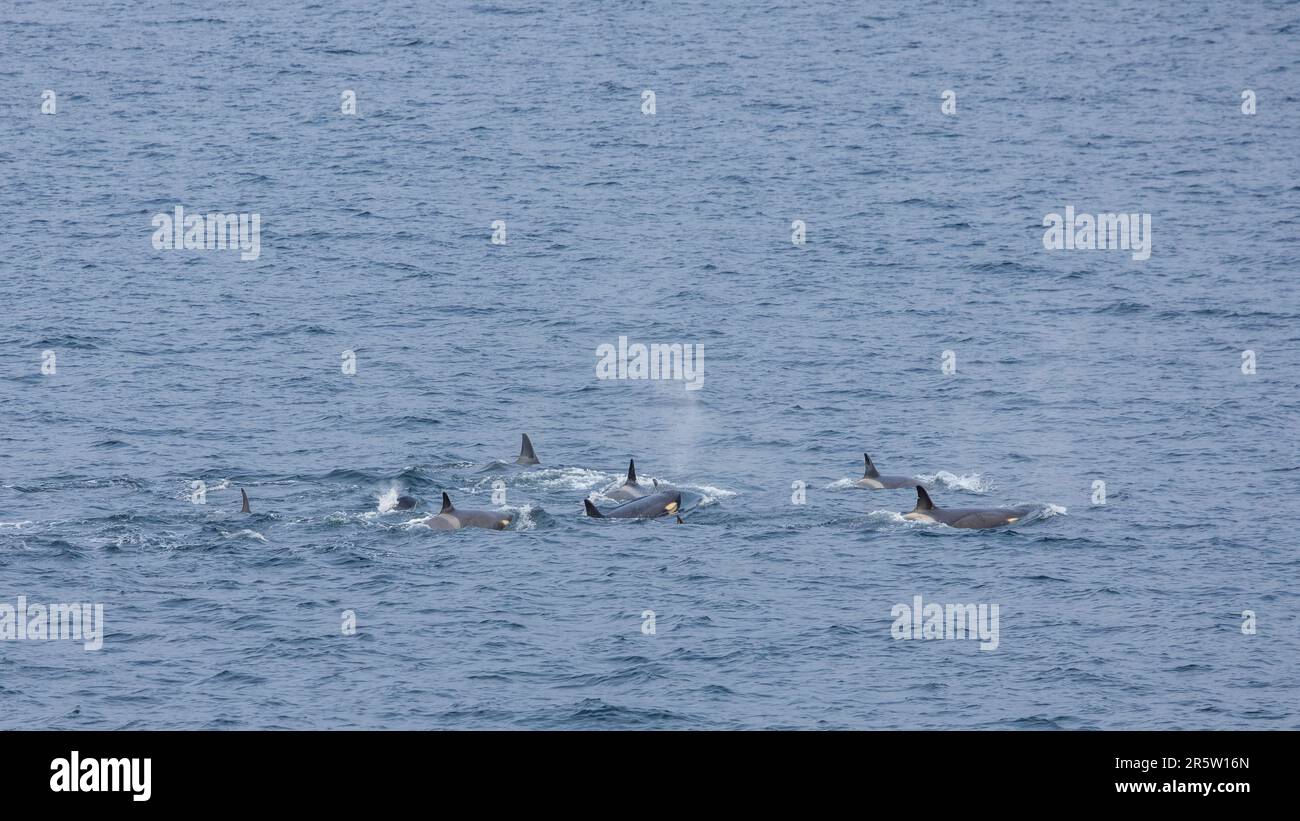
pixel 924 235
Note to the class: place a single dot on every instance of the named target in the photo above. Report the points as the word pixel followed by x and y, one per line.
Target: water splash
pixel 388 499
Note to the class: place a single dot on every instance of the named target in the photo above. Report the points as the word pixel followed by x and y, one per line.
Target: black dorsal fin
pixel 591 509
pixel 922 500
pixel 244 494
pixel 527 456
pixel 871 472
pixel 631 472
pixel 446 503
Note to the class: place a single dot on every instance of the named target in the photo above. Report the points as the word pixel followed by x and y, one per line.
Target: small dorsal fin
pixel 679 521
pixel 446 503
pixel 591 509
pixel 871 472
pixel 527 456
pixel 244 494
pixel 922 500
pixel 631 472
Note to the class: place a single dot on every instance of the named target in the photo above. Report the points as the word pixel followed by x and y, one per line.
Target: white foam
pixel 138 539
pixel 893 517
pixel 565 479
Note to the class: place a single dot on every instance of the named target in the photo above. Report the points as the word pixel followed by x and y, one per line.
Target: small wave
pixel 709 495
pixel 343 518
pixel 892 517
pixel 243 534
pixel 973 482
pixel 144 540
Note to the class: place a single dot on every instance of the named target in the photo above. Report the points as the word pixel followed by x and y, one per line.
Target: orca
pixel 244 495
pixel 965 517
pixel 629 489
pixel 405 503
pixel 873 479
pixel 449 518
pixel 527 456
pixel 662 503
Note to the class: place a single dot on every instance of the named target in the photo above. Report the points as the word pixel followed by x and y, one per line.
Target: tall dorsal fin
pixel 527 456
pixel 871 472
pixel 244 494
pixel 631 472
pixel 591 509
pixel 446 503
pixel 922 500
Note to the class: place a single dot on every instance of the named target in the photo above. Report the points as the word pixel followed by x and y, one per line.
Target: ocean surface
pixel 924 235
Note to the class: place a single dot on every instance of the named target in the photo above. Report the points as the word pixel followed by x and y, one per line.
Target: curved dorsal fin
pixel 591 509
pixel 922 500
pixel 446 503
pixel 527 456
pixel 871 472
pixel 631 472
pixel 244 494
